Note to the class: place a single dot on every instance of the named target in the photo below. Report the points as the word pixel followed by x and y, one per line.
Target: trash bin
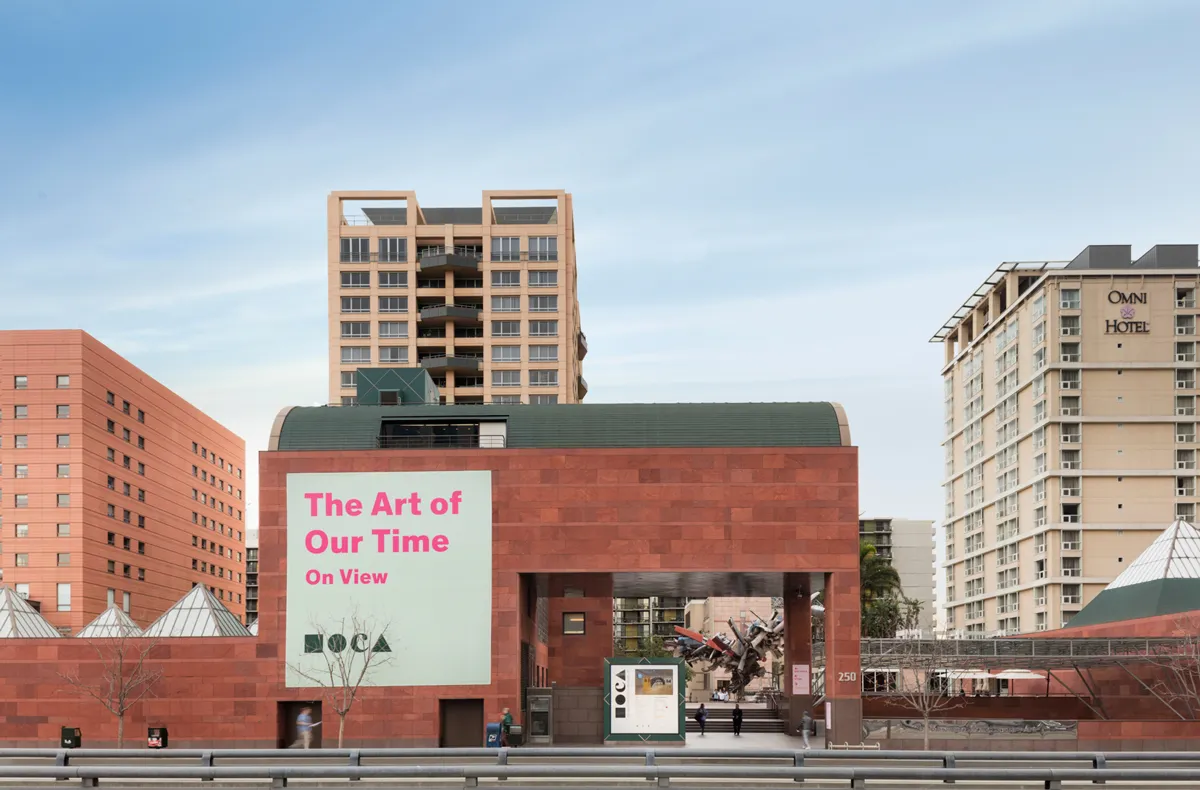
pixel 156 737
pixel 71 738
pixel 515 735
pixel 493 735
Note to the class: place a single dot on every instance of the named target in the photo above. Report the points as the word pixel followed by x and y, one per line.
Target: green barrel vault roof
pixel 582 425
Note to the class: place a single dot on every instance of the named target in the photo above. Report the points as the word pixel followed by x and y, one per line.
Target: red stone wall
pixel 559 513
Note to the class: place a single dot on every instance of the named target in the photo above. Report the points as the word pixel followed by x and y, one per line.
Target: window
pixel 349 400
pixel 1068 325
pixel 543 279
pixel 141 547
pixel 141 469
pixel 349 379
pixel 125 434
pixel 1068 299
pixel 21 500
pixel 20 382
pixel 506 353
pixel 506 248
pixel 356 250
pixel 393 355
pixel 141 442
pixel 393 329
pixel 142 522
pixel 111 426
pixel 21 441
pixel 506 304
pixel 393 250
pixel 63 560
pixel 63 597
pixel 125 602
pixel 20 412
pixel 126 461
pixel 543 400
pixel 63 470
pixel 1072 566
pixel 112 455
pixel 112 482
pixel 356 355
pixel 506 279
pixel 506 399
pixel 543 353
pixel 574 623
pixel 1069 352
pixel 125 489
pixel 506 329
pixel 356 329
pixel 393 279
pixel 506 378
pixel 141 495
pixel 127 571
pixel 21 531
pixel 543 304
pixel 141 416
pixel 543 248
pixel 543 378
pixel 141 574
pixel 1071 540
pixel 356 304
pixel 62 441
pixel 543 329
pixel 356 279
pixel 63 530
pixel 112 399
pixel 21 470
pixel 393 304
pixel 22 560
pixel 23 591
pixel 112 511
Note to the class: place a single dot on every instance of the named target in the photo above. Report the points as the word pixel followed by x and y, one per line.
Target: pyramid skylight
pixel 19 620
pixel 198 613
pixel 1175 554
pixel 112 623
pixel 253 628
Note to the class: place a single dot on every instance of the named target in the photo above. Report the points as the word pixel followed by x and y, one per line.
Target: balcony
pixel 441 363
pixel 583 387
pixel 439 260
pixel 583 347
pixel 440 314
pixel 371 257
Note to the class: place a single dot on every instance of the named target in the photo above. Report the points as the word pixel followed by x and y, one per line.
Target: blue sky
pixel 776 202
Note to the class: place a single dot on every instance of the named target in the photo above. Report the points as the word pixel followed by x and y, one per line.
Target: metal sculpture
pixel 744 656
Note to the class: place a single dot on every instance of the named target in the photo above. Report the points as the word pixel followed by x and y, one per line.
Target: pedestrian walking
pixel 806 723
pixel 737 719
pixel 702 716
pixel 506 724
pixel 304 728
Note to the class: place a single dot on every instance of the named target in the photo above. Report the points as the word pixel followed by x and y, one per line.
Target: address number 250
pixel 847 677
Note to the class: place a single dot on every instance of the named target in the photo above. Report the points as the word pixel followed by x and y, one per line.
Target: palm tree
pixel 876 576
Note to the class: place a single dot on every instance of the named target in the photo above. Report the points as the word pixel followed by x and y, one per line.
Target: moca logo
pixel 336 643
pixel 620 684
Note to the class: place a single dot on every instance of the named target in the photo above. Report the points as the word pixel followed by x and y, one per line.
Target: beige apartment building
pixel 484 298
pixel 908 545
pixel 1070 435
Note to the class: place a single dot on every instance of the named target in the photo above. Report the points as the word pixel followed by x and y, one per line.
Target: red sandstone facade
pixel 568 517
pixel 102 490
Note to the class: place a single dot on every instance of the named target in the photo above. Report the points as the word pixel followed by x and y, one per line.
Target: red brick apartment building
pixel 114 489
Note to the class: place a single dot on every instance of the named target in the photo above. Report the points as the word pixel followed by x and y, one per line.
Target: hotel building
pixel 1070 434
pixel 483 298
pixel 113 489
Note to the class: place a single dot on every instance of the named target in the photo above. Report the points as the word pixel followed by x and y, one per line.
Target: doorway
pixel 288 712
pixel 462 723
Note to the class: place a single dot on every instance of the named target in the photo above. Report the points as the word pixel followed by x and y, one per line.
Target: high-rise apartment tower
pixel 1070 435
pixel 115 489
pixel 484 298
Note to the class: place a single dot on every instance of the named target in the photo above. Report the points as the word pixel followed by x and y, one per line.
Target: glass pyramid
pixel 1175 554
pixel 19 620
pixel 253 628
pixel 112 623
pixel 198 613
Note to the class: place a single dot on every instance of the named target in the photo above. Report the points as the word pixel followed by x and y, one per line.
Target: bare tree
pixel 923 680
pixel 1176 676
pixel 350 650
pixel 126 676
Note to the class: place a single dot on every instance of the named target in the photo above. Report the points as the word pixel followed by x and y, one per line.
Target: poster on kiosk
pixel 644 699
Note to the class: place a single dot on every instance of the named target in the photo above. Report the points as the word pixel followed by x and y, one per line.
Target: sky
pixel 780 201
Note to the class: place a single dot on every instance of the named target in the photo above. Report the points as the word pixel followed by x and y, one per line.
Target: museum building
pixel 482 546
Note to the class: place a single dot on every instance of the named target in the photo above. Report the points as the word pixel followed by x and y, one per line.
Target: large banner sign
pixel 403 559
pixel 644 699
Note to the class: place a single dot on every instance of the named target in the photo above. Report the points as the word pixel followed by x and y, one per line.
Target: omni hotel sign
pixel 1127 324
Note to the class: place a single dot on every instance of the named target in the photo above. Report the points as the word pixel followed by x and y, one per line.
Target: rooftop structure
pixel 112 623
pixel 563 426
pixel 19 620
pixel 198 613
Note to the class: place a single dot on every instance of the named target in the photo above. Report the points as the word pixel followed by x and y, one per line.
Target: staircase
pixel 720 719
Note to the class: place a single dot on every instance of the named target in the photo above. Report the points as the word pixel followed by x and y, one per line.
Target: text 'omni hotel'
pixel 1070 434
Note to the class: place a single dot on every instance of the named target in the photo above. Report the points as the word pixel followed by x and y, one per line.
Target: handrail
pixel 800 770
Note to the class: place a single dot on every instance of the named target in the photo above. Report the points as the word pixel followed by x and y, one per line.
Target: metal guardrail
pixel 487 442
pixel 946 765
